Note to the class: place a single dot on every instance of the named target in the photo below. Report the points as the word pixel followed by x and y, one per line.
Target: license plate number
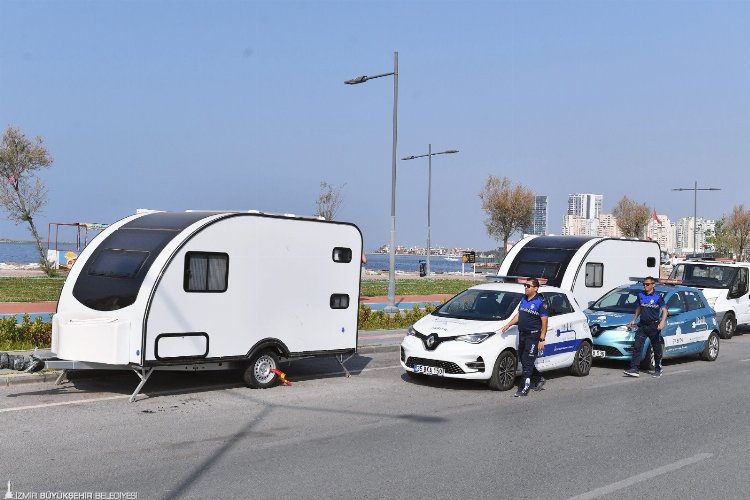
pixel 598 354
pixel 429 370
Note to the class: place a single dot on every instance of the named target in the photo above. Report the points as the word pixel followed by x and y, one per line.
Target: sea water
pixel 19 253
pixel 410 263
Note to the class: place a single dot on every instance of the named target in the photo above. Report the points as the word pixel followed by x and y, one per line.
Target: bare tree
pixel 632 218
pixel 22 193
pixel 329 201
pixel 509 208
pixel 738 228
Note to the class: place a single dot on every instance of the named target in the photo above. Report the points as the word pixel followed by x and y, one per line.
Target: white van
pixel 588 266
pixel 210 290
pixel 725 285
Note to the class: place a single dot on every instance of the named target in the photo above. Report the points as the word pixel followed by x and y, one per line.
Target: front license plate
pixel 598 354
pixel 429 370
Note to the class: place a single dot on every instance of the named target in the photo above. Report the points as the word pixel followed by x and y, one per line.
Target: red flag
pixel 656 217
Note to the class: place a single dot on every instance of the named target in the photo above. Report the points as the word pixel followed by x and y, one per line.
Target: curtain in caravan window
pixel 217 273
pixel 198 272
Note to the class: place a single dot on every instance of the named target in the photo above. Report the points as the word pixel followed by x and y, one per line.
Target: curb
pixel 371 349
pixel 29 378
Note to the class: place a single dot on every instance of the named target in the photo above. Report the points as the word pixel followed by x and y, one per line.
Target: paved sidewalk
pixel 440 297
pixel 27 307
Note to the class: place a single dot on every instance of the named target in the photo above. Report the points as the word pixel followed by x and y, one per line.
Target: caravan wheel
pixel 258 374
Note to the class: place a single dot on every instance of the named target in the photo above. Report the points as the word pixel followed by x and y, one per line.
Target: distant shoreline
pixel 8 240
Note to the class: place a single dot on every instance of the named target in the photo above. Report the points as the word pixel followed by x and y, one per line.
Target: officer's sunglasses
pixel 648 284
pixel 528 286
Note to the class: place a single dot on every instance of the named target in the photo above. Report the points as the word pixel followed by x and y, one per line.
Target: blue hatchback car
pixel 691 327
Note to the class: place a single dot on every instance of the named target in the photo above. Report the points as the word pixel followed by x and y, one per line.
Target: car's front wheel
pixel 711 349
pixel 582 361
pixel 728 326
pixel 504 373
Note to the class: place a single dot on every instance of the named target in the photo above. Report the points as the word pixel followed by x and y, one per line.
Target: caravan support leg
pixel 341 360
pixel 143 374
pixel 61 377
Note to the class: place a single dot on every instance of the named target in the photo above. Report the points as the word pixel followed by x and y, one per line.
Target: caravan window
pixel 594 274
pixel 546 270
pixel 206 272
pixel 341 254
pixel 118 263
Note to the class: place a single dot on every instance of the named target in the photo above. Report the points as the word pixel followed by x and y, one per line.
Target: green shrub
pixel 379 320
pixel 25 335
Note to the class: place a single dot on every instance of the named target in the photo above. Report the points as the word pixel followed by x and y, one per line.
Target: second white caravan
pixel 588 266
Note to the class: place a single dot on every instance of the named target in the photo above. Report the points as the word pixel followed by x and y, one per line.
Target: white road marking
pixel 744 360
pixel 639 478
pixel 167 393
pixel 62 403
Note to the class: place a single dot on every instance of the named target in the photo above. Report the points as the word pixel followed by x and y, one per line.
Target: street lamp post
pixel 695 190
pixel 429 155
pixel 391 305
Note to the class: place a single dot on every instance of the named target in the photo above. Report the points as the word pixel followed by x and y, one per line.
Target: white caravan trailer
pixel 210 290
pixel 587 266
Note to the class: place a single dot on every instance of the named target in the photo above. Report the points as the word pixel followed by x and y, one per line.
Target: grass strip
pixel 26 289
pixel 375 288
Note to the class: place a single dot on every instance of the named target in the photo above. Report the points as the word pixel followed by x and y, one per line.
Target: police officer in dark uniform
pixel 650 308
pixel 531 318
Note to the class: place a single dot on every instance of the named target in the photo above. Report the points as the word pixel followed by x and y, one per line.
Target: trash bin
pixel 422 268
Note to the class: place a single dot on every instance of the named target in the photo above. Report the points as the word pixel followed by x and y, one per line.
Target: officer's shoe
pixel 540 384
pixel 523 391
pixel 632 372
pixel 657 373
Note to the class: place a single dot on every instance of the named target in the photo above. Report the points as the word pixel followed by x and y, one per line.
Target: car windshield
pixel 704 275
pixel 482 305
pixel 621 300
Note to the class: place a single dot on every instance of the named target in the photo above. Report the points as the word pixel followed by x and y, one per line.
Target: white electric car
pixel 463 338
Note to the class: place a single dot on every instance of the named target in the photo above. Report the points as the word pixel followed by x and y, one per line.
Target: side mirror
pixel 591 303
pixel 673 311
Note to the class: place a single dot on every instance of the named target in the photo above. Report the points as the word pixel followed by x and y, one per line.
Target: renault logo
pixel 431 341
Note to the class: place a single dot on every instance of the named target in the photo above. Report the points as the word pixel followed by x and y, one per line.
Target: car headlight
pixel 412 331
pixel 475 338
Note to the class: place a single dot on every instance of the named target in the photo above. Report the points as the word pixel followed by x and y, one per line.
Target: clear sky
pixel 242 105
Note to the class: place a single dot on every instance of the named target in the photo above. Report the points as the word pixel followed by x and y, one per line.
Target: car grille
pixel 449 367
pixel 611 351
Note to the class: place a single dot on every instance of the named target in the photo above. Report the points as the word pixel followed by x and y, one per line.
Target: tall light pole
pixel 695 190
pixel 429 155
pixel 391 305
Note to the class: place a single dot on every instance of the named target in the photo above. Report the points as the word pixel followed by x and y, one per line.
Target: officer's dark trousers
pixel 646 331
pixel 528 342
